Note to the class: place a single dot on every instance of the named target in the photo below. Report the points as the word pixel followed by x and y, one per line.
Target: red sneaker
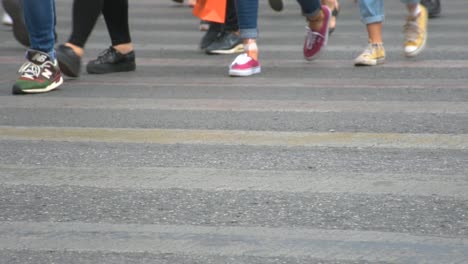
pixel 243 66
pixel 315 41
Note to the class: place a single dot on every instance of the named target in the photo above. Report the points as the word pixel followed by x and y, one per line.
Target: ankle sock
pixel 252 50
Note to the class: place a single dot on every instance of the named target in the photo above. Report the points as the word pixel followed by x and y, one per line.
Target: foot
pixel 244 66
pixel 415 31
pixel 226 43
pixel 110 60
pixel 38 75
pixel 69 61
pixel 374 54
pixel 315 41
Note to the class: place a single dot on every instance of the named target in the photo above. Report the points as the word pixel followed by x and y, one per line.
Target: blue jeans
pixel 39 16
pixel 372 11
pixel 247 14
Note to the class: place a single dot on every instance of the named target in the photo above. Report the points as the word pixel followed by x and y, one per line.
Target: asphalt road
pixel 308 162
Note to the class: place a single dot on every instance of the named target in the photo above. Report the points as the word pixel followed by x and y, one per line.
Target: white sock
pixel 250 46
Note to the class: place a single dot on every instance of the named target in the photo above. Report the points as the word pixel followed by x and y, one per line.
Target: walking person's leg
pixel 41 72
pixel 317 30
pixel 372 15
pixel 247 63
pixel 85 14
pixel 227 41
pixel 120 56
pixel 415 28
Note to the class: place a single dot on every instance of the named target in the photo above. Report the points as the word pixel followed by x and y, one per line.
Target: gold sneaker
pixel 415 31
pixel 374 54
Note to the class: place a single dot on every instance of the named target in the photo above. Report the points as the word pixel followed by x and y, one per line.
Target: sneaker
pixel 6 20
pixel 38 75
pixel 315 41
pixel 14 9
pixel 276 5
pixel 209 37
pixel 374 54
pixel 415 31
pixel 226 43
pixel 110 60
pixel 433 7
pixel 243 66
pixel 69 62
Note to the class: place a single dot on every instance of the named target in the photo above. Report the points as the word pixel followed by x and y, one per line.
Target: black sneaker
pixel 433 7
pixel 39 74
pixel 15 10
pixel 110 60
pixel 69 62
pixel 226 43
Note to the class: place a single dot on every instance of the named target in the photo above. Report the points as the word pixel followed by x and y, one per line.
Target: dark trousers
pixel 231 19
pixel 86 13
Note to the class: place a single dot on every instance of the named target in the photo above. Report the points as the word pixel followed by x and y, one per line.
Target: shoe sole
pixel 52 86
pixel 276 5
pixel 373 63
pixel 15 11
pixel 114 68
pixel 418 50
pixel 237 49
pixel 66 67
pixel 244 73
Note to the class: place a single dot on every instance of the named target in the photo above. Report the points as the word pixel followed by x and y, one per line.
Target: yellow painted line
pixel 299 106
pixel 236 137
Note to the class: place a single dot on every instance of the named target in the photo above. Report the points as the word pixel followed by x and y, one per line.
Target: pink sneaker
pixel 244 65
pixel 315 41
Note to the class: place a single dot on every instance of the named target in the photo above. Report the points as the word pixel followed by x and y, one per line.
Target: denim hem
pixel 373 19
pixel 248 33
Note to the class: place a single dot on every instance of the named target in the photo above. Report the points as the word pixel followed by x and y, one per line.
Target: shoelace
pixel 311 38
pixel 29 70
pixel 412 30
pixel 104 54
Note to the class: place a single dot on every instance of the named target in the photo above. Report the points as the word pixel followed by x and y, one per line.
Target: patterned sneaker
pixel 243 66
pixel 38 75
pixel 316 40
pixel 374 54
pixel 415 31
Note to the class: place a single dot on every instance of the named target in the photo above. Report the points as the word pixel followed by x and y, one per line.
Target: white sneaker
pixel 6 20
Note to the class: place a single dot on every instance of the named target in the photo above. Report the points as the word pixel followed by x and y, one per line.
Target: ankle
pixel 124 48
pixel 251 49
pixel 316 22
pixel 79 51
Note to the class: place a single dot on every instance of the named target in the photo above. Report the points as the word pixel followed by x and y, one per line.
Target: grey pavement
pixel 308 162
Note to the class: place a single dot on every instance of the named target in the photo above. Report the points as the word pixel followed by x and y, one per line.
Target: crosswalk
pixel 315 162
